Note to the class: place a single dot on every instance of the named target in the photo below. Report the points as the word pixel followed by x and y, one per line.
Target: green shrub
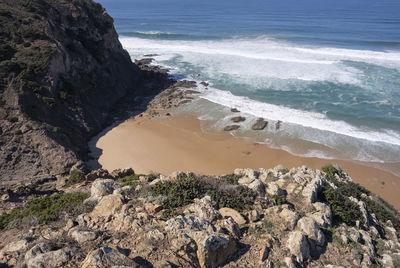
pixel 330 170
pixel 231 178
pixel 280 200
pixel 44 209
pixel 183 191
pixel 75 176
pixel 132 180
pixel 343 209
pixel 382 210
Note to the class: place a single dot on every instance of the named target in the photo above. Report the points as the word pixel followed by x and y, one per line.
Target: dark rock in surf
pixel 231 127
pixel 260 124
pixel 238 119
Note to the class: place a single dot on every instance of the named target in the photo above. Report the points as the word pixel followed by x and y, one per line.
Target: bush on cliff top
pixel 44 209
pixel 382 210
pixel 183 191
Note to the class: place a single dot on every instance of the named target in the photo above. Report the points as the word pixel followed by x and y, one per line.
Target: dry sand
pixel 169 144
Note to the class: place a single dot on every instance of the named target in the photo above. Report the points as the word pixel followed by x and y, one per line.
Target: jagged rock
pixel 322 214
pixel 98 174
pixel 70 223
pixel 274 189
pixel 238 119
pixel 234 110
pixel 105 257
pixel 108 205
pixel 193 235
pixel 253 215
pixel 124 191
pixel 231 226
pixel 229 212
pixel 204 208
pixel 214 250
pixel 120 173
pixel 298 246
pixel 258 187
pixel 37 250
pixel 153 208
pixel 265 249
pixel 290 217
pixel 260 124
pixel 310 192
pixel 19 245
pixel 56 258
pixel 103 187
pixel 231 127
pixel 311 229
pixel 82 236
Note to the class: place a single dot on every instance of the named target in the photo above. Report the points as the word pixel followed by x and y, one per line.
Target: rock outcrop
pixel 63 77
pixel 186 220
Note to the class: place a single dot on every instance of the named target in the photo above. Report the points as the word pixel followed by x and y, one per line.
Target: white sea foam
pixel 250 59
pixel 304 118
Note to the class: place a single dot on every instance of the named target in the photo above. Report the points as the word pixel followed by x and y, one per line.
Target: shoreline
pixel 177 143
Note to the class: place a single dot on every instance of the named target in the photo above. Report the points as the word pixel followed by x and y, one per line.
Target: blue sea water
pixel 328 69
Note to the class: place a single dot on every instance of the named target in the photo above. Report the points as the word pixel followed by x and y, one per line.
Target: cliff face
pixel 63 72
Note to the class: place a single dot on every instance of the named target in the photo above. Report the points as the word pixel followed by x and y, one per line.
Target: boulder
pixel 311 229
pixel 56 258
pixel 108 205
pixel 231 227
pixel 82 236
pixel 105 257
pixel 274 189
pixel 290 217
pixel 16 246
pixel 37 250
pixel 322 214
pixel 103 187
pixel 213 250
pixel 197 237
pixel 258 187
pixel 229 212
pixel 298 246
pixel 204 208
pixel 231 127
pixel 238 119
pixel 260 124
pixel 310 192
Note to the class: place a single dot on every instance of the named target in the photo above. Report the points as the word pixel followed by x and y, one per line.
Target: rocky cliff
pixel 253 218
pixel 63 75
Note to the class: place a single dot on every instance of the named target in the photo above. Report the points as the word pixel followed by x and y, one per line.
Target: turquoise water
pixel 329 70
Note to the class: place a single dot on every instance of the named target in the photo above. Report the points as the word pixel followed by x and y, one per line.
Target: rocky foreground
pixel 252 218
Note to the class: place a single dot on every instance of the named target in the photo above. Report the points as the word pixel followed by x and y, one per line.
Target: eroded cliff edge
pixel 63 75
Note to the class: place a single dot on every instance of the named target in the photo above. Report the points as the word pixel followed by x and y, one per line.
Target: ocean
pixel 328 70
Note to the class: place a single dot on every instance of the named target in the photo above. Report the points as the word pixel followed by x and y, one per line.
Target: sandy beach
pixel 168 144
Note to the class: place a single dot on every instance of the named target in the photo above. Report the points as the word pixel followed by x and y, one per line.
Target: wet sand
pixel 169 144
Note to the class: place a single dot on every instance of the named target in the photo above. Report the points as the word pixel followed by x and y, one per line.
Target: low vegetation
pixel 44 209
pixel 382 210
pixel 75 176
pixel 182 192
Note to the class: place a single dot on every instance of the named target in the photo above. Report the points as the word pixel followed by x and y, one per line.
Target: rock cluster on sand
pixel 282 222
